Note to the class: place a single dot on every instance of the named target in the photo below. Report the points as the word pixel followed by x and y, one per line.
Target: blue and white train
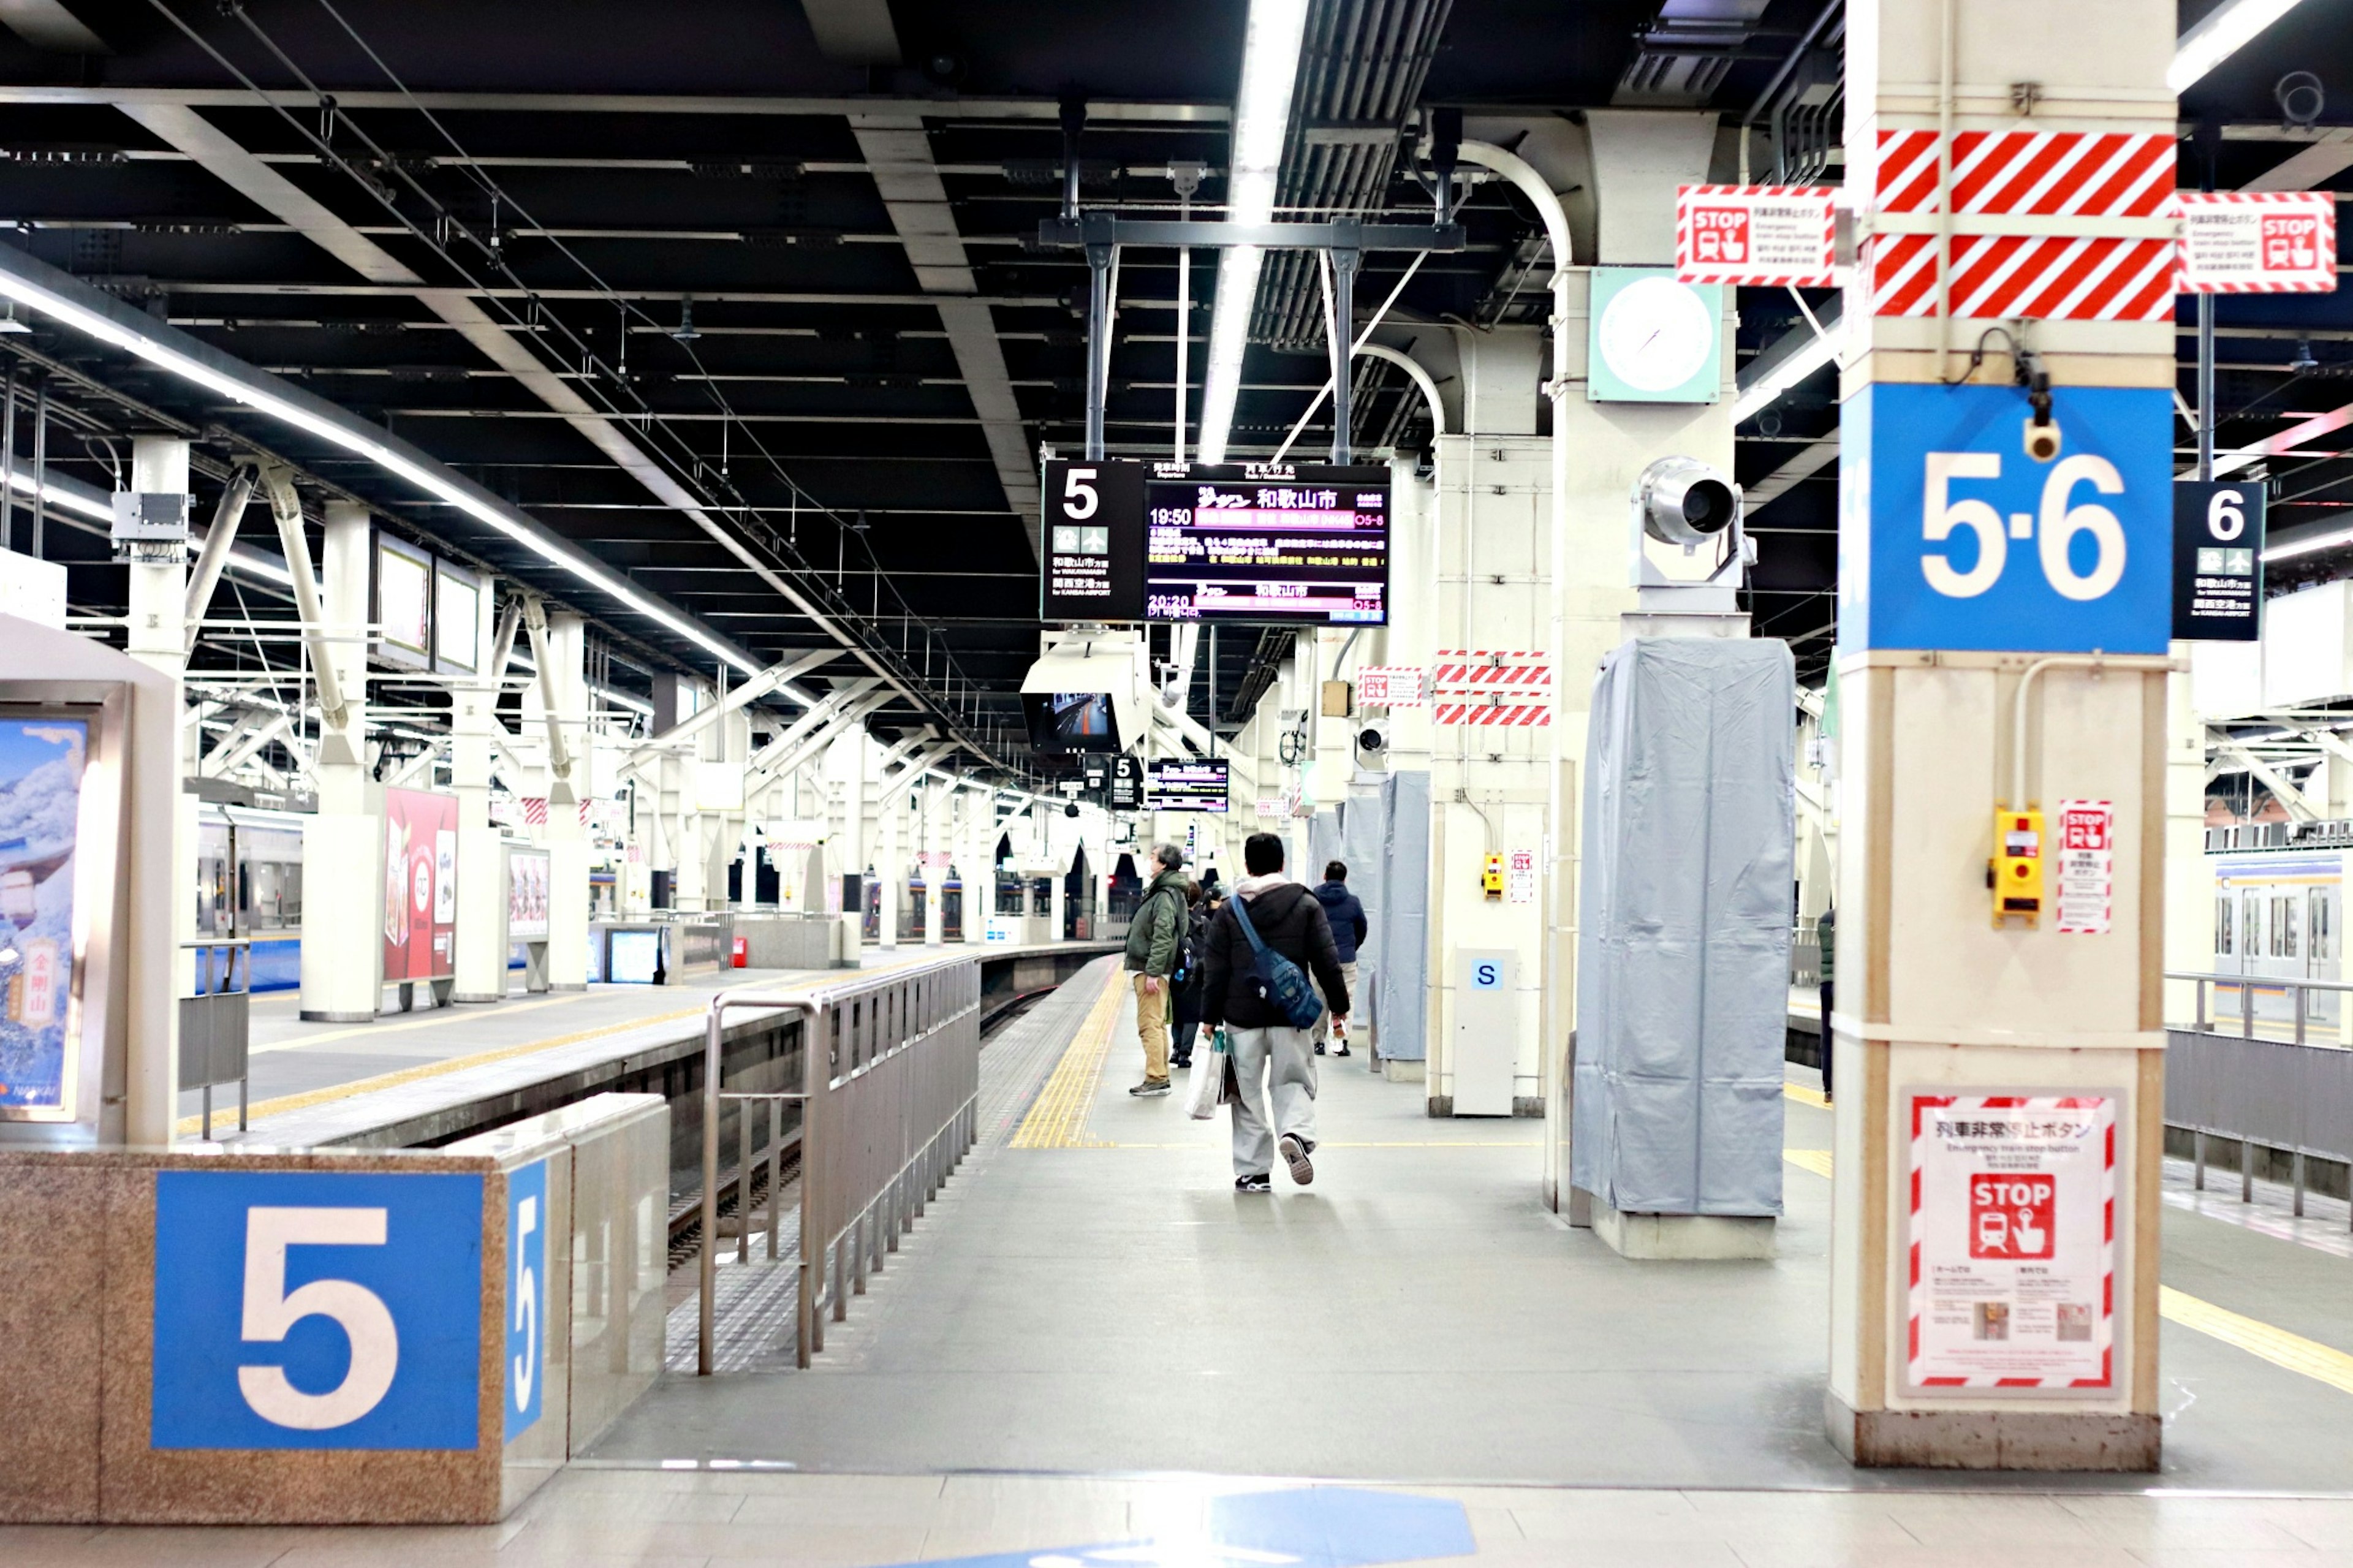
pixel 250 884
pixel 2279 913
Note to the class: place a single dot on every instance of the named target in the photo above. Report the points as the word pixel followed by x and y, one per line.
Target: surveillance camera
pixel 1370 739
pixel 1071 809
pixel 1682 500
pixel 2041 441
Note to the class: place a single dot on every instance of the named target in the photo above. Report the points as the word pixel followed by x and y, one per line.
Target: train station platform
pixel 1091 1295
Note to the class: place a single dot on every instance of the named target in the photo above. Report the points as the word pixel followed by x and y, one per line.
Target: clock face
pixel 1657 334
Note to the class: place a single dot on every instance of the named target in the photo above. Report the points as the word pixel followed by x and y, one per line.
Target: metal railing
pixel 216 1024
pixel 890 1083
pixel 2248 985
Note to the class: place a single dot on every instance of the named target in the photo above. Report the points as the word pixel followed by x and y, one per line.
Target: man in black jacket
pixel 1273 1061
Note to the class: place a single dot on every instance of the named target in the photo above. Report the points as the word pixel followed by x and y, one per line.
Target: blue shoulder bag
pixel 1280 983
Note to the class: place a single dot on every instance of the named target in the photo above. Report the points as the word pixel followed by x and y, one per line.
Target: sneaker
pixel 1294 1156
pixel 1319 1047
pixel 1149 1088
pixel 1253 1184
pixel 1184 1062
pixel 1344 1051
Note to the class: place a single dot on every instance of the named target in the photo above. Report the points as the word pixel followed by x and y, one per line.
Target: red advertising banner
pixel 420 886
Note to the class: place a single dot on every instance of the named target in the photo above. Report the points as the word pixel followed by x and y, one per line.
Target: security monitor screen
pixel 1268 543
pixel 1070 721
pixel 1187 786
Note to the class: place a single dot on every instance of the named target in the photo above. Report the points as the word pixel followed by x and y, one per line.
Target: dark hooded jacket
pixel 1346 915
pixel 1288 920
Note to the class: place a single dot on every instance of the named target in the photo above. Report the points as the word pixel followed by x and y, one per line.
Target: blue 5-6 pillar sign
pixel 1952 536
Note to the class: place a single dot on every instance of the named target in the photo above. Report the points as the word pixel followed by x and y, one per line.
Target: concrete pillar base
pixel 329 1015
pixel 581 986
pixel 1398 1071
pixel 1684 1237
pixel 469 999
pixel 1994 1439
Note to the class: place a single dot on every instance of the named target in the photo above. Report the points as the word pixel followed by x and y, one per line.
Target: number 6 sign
pixel 1950 536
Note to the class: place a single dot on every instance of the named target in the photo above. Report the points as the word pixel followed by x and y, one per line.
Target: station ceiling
pixel 743 295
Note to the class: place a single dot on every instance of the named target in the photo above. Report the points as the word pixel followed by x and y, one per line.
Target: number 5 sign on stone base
pixel 1950 536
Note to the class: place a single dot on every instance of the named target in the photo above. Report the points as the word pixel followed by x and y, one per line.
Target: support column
pixel 566 657
pixel 482 966
pixel 342 852
pixel 936 804
pixel 158 638
pixel 1967 1039
pixel 890 871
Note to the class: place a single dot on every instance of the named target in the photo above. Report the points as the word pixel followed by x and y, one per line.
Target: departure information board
pixel 1187 786
pixel 1268 543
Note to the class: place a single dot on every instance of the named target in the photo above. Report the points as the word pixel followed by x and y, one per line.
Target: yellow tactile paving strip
pixel 1058 1119
pixel 284 1103
pixel 2309 1358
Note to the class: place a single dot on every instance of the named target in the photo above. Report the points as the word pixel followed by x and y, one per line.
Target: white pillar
pixel 158 638
pixel 1937 993
pixel 935 807
pixel 342 851
pixel 567 839
pixel 890 869
pixel 482 964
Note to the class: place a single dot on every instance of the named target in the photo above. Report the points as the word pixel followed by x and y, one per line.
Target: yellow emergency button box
pixel 2018 865
pixel 1491 877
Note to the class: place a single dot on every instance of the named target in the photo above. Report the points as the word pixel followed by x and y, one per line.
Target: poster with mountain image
pixel 41 764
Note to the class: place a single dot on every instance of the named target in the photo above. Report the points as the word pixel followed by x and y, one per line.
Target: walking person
pixel 1154 938
pixel 1826 933
pixel 1184 985
pixel 1275 1062
pixel 1344 912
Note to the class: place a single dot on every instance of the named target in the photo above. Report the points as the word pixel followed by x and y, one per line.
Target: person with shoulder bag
pixel 1184 985
pixel 1255 978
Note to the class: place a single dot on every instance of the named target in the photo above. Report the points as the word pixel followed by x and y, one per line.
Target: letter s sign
pixel 1951 537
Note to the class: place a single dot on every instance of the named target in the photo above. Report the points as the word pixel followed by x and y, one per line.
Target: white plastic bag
pixel 1201 1096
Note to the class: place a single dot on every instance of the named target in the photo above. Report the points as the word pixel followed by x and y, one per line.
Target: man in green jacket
pixel 1153 940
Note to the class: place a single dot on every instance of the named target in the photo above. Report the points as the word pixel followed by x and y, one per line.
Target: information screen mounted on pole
pixel 1188 787
pixel 1294 544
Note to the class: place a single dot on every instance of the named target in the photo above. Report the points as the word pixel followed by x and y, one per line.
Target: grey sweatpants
pixel 1280 1063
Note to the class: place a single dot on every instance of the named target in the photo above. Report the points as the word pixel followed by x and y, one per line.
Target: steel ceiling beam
pixel 1134 111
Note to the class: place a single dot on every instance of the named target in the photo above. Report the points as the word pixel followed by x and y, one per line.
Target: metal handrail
pixel 709 1270
pixel 2247 985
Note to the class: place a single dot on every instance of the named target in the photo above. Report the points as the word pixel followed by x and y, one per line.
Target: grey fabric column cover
pixel 1401 931
pixel 1684 954
pixel 1362 833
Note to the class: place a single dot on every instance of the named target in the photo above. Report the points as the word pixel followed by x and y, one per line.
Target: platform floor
pixel 1093 1351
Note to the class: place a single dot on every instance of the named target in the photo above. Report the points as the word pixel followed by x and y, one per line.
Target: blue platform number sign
pixel 317 1309
pixel 1952 536
pixel 1486 975
pixel 526 1357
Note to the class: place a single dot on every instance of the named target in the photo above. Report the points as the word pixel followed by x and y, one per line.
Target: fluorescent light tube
pixel 2219 35
pixel 1270 48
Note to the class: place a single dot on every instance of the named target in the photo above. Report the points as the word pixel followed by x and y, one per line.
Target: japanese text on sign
pixel 2086 867
pixel 2013 1260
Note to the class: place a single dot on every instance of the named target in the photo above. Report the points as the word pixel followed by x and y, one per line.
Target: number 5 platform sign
pixel 1951 536
pixel 318 1310
pixel 2012 1244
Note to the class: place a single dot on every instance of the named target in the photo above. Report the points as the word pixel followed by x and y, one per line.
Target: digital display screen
pixel 1188 787
pixel 1070 721
pixel 1286 544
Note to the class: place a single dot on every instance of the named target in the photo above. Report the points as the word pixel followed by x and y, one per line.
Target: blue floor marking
pixel 1314 1527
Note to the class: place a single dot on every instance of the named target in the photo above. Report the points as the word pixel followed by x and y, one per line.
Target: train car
pixel 250 884
pixel 2278 915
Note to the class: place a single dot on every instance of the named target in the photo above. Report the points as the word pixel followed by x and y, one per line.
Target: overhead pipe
pixel 214 557
pixel 286 506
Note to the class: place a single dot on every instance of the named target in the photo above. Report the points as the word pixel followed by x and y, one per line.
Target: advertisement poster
pixel 527 895
pixel 40 805
pixel 2014 1209
pixel 420 885
pixel 2085 866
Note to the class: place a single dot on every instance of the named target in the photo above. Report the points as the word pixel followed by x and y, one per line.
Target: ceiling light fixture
pixel 1794 368
pixel 1270 48
pixel 2219 35
pixel 33 297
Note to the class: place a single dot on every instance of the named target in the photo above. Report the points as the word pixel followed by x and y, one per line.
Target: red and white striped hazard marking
pixel 2063 176
pixel 1766 235
pixel 1459 672
pixel 1495 709
pixel 535 811
pixel 2003 1184
pixel 2258 242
